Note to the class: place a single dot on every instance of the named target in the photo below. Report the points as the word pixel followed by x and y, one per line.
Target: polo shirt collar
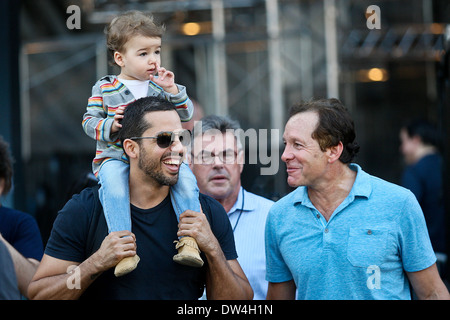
pixel 362 187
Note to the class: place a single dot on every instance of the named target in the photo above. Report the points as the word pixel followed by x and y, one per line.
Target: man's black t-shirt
pixel 80 228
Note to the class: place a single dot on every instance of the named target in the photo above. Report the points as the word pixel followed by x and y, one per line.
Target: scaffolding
pixel 251 76
pixel 250 59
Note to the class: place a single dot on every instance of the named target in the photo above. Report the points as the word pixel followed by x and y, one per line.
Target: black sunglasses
pixel 165 138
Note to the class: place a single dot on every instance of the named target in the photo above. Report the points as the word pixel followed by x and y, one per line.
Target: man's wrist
pixel 213 250
pixel 94 264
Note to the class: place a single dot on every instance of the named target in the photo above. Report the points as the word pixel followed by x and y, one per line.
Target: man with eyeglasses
pixel 217 161
pixel 80 253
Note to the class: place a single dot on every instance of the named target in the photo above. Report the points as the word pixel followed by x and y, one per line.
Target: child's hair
pixel 127 25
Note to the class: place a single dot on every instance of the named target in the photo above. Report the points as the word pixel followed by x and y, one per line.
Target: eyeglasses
pixel 165 139
pixel 226 156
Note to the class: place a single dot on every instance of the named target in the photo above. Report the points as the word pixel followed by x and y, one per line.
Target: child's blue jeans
pixel 115 196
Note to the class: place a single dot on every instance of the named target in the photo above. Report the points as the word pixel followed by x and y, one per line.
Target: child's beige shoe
pixel 188 252
pixel 126 265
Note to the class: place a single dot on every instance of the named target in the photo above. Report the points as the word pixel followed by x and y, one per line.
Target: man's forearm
pixel 223 282
pixel 66 286
pixel 25 268
pixel 224 278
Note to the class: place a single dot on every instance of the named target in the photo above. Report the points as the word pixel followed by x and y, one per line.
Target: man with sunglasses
pixel 217 162
pixel 80 253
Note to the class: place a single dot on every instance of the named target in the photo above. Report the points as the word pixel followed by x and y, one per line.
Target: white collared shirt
pixel 248 220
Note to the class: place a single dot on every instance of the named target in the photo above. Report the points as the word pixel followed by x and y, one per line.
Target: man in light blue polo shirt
pixel 343 234
pixel 217 163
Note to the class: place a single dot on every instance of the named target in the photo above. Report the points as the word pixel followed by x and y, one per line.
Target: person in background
pixel 342 233
pixel 420 143
pixel 8 281
pixel 19 231
pixel 196 116
pixel 217 162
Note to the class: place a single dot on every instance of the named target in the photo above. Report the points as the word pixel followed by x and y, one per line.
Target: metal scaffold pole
pixel 331 49
pixel 219 59
pixel 274 56
pixel 277 112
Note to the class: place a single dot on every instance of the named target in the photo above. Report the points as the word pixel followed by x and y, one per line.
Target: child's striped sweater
pixel 107 95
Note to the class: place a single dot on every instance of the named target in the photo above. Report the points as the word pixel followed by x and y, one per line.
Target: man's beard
pixel 152 168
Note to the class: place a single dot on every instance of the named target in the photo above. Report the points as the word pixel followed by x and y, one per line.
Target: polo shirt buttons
pixel 326 239
pixel 369 232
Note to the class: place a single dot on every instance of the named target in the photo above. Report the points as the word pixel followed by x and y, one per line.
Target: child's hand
pixel 165 79
pixel 117 118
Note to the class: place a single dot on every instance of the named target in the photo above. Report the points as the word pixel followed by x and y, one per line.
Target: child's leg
pixel 184 194
pixel 114 195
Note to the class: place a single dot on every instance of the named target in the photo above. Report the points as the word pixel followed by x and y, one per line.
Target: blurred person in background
pixel 420 144
pixel 196 116
pixel 8 281
pixel 19 231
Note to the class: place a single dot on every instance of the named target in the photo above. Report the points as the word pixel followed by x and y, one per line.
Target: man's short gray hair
pixel 224 124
